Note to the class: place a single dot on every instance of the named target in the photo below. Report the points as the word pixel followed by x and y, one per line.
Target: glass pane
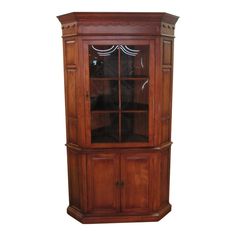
pixel 134 94
pixel 104 127
pixel 119 93
pixel 134 127
pixel 104 95
pixel 103 61
pixel 134 61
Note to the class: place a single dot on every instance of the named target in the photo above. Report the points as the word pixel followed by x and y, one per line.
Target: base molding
pixel 88 219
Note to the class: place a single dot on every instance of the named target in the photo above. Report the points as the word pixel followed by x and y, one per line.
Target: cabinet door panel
pixel 103 173
pixel 135 174
pixel 119 85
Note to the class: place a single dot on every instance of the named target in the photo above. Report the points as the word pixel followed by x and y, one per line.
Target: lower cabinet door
pixel 103 173
pixel 136 180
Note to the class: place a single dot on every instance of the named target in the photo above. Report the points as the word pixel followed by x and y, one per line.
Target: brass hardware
pixel 87 95
pixel 120 183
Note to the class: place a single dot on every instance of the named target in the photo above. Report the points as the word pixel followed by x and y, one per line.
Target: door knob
pixel 87 95
pixel 120 183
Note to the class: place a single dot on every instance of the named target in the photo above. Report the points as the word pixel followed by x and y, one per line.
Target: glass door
pixel 119 93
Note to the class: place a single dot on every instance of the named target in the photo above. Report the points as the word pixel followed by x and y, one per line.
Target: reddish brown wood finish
pixel 136 176
pixel 103 175
pixel 118 182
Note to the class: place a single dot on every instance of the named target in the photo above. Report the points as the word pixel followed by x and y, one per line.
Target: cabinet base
pixel 75 213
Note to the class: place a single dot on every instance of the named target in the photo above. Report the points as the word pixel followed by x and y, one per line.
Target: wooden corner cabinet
pixel 118 71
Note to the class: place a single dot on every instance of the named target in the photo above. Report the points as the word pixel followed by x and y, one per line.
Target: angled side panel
pixel 166 89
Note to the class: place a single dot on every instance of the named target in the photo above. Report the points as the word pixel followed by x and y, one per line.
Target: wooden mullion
pixel 119 88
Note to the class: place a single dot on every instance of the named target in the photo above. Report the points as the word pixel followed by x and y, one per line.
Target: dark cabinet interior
pixel 119 99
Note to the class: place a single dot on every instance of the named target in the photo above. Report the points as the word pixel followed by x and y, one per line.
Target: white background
pixel 33 177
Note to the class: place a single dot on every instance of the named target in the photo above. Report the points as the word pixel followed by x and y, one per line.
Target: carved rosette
pixel 69 29
pixel 167 29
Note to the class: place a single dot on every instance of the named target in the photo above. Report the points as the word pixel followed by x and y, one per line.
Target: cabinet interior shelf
pixel 117 111
pixel 115 78
pixel 105 134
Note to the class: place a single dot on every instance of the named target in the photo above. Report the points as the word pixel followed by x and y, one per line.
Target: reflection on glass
pixel 104 127
pixel 134 94
pixel 103 61
pixel 134 61
pixel 104 95
pixel 134 127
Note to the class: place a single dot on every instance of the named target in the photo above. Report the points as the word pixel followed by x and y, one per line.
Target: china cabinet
pixel 118 93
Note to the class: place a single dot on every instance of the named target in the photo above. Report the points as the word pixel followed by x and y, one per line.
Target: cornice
pixel 118 16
